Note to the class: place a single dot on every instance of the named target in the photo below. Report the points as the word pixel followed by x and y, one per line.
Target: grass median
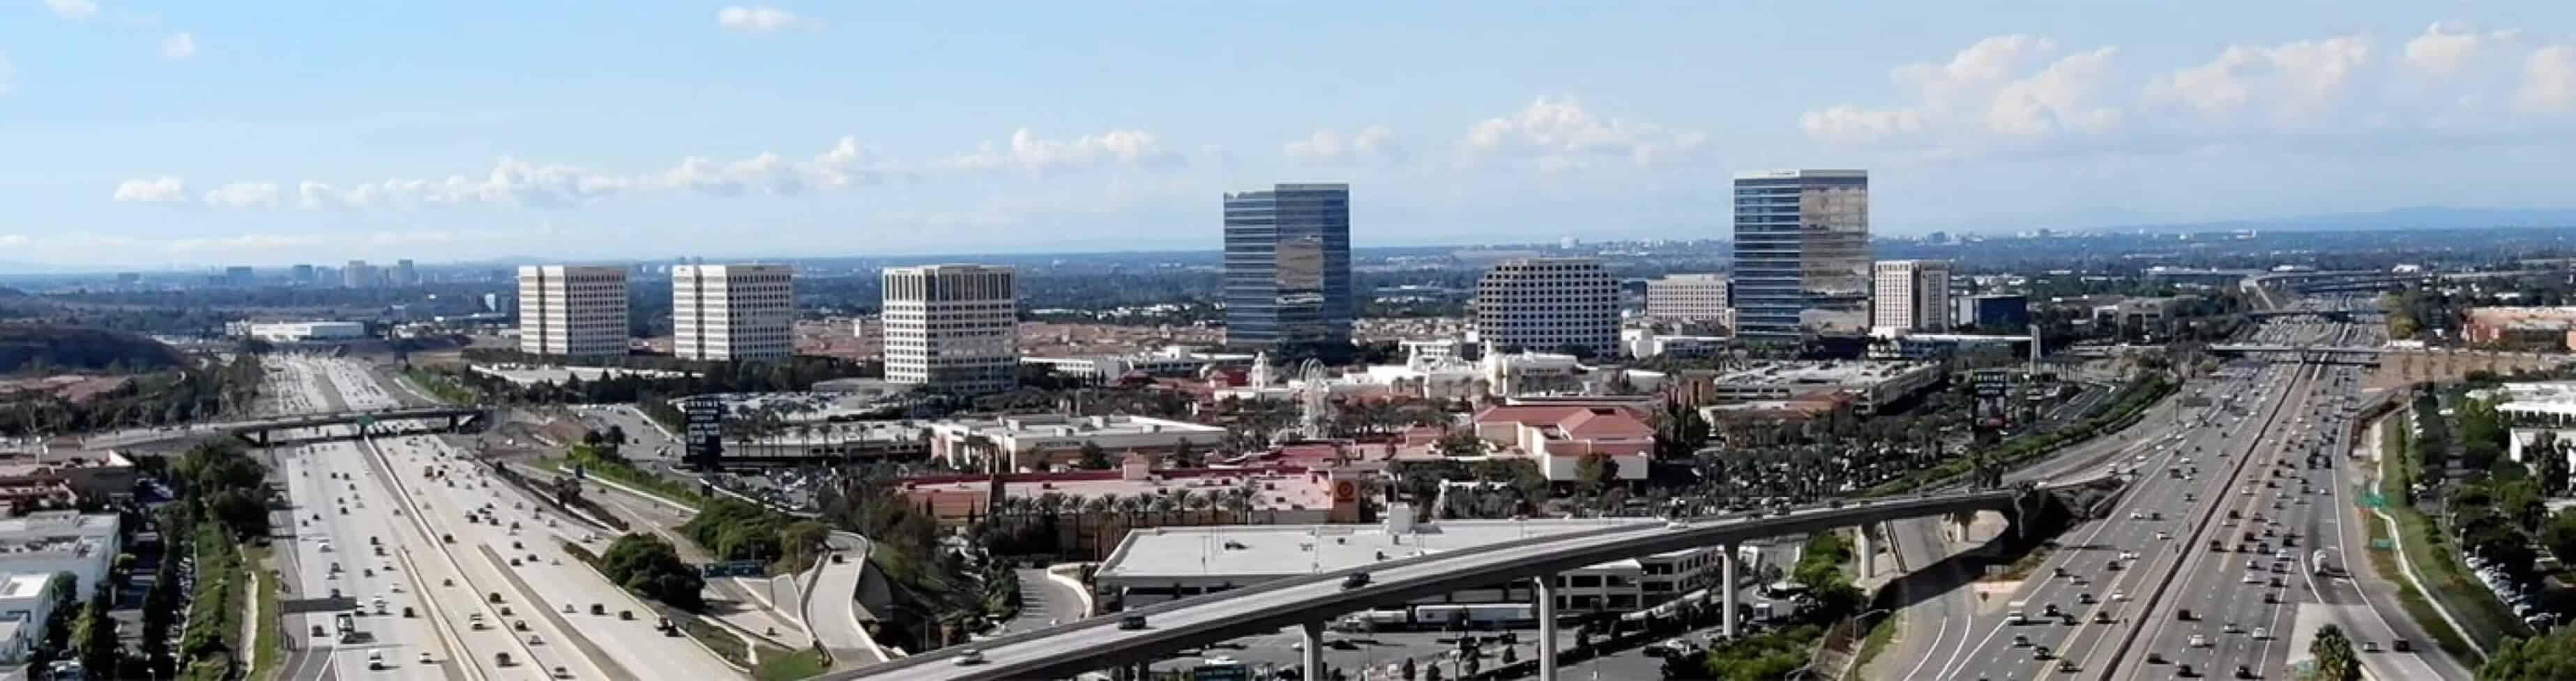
pixel 790 666
pixel 271 641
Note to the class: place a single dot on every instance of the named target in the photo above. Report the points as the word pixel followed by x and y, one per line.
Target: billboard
pixel 704 430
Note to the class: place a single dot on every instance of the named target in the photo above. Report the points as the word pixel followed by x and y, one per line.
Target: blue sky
pixel 140 133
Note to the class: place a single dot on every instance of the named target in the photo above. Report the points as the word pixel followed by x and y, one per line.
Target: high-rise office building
pixel 572 311
pixel 730 312
pixel 1545 304
pixel 1693 297
pixel 1288 268
pixel 404 275
pixel 952 327
pixel 1802 255
pixel 303 274
pixel 1910 296
pixel 358 274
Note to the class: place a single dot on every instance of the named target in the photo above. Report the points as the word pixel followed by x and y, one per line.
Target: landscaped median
pixel 271 642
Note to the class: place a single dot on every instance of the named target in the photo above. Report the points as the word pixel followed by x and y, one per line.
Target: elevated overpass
pixel 1308 602
pixel 259 431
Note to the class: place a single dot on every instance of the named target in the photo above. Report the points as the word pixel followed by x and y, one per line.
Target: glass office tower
pixel 1802 258
pixel 1288 269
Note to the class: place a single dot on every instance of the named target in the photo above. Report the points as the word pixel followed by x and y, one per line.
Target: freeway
pixel 2138 538
pixel 1105 642
pixel 440 487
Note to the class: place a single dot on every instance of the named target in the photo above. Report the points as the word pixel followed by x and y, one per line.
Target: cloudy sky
pixel 144 133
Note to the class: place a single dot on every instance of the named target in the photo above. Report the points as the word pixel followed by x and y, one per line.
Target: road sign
pixel 732 568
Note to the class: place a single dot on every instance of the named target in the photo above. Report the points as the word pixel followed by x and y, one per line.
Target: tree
pixel 2548 657
pixel 1186 454
pixel 1408 671
pixel 2560 535
pixel 1679 431
pixel 95 634
pixel 2335 660
pixel 650 566
pixel 1597 470
pixel 64 592
pixel 1093 457
pixel 1460 442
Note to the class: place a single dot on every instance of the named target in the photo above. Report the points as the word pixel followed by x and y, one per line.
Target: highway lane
pixel 1994 648
pixel 518 528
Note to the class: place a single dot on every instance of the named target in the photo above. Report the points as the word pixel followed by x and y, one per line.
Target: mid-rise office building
pixel 1992 313
pixel 239 275
pixel 1288 268
pixel 1911 296
pixel 952 327
pixel 1689 297
pixel 1548 303
pixel 303 274
pixel 358 274
pixel 572 311
pixel 1802 258
pixel 404 274
pixel 732 312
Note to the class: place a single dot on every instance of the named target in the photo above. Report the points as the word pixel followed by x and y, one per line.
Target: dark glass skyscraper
pixel 1801 252
pixel 1288 269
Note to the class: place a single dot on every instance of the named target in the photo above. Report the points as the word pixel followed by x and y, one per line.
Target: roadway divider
pixel 457 651
pixel 419 518
pixel 648 496
pixel 1074 581
pixel 2192 551
pixel 591 650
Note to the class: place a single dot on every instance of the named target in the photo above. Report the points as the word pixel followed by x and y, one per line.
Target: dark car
pixel 1355 580
pixel 1131 622
pixel 2400 645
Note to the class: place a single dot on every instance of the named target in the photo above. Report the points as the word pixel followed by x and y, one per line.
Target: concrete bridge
pixel 259 431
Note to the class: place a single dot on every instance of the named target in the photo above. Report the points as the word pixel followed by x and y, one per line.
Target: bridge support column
pixel 1868 553
pixel 1726 561
pixel 1314 652
pixel 1546 627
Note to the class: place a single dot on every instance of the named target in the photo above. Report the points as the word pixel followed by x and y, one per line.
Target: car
pixel 969 656
pixel 2231 628
pixel 2185 671
pixel 2119 596
pixel 2019 641
pixel 2400 645
pixel 1355 580
pixel 520 625
pixel 2101 617
pixel 2251 578
pixel 375 659
pixel 2261 633
pixel 2197 641
pixel 2183 615
pixel 2155 658
pixel 2244 672
pixel 2067 667
pixel 425 658
pixel 534 640
pixel 2370 646
pixel 2085 598
pixel 2270 598
pixel 1131 622
pixel 562 673
pixel 598 609
pixel 318 632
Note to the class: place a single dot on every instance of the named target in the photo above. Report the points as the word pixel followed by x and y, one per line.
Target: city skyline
pixel 160 134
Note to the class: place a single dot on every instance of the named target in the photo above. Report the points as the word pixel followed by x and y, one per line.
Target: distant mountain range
pixel 2422 217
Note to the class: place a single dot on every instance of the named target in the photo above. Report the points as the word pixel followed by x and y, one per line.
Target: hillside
pixel 56 347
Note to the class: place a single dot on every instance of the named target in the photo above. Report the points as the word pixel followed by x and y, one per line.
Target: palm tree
pixel 1238 501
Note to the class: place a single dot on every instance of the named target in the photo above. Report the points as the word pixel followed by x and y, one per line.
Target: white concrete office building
pixel 1543 304
pixel 1690 297
pixel 952 327
pixel 1910 296
pixel 572 311
pixel 733 312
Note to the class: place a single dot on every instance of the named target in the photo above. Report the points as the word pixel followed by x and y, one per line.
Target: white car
pixel 2119 595
pixel 2198 641
pixel 2253 578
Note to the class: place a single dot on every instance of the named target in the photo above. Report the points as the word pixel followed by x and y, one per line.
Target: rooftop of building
pixel 1793 173
pixel 1694 277
pixel 24 584
pixel 1289 550
pixel 1843 372
pixel 19 463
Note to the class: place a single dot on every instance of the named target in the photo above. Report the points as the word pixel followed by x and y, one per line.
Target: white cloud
pixel 1326 147
pixel 160 190
pixel 1560 134
pixel 2291 82
pixel 761 19
pixel 179 46
pixel 1985 95
pixel 243 195
pixel 1029 152
pixel 2549 80
pixel 2446 47
pixel 73 9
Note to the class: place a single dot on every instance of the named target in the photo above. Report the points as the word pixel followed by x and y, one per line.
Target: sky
pixel 164 134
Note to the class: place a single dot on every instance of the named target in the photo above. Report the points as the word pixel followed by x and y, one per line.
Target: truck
pixel 1367 621
pixel 1483 616
pixel 2019 614
pixel 347 625
pixel 2317 561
